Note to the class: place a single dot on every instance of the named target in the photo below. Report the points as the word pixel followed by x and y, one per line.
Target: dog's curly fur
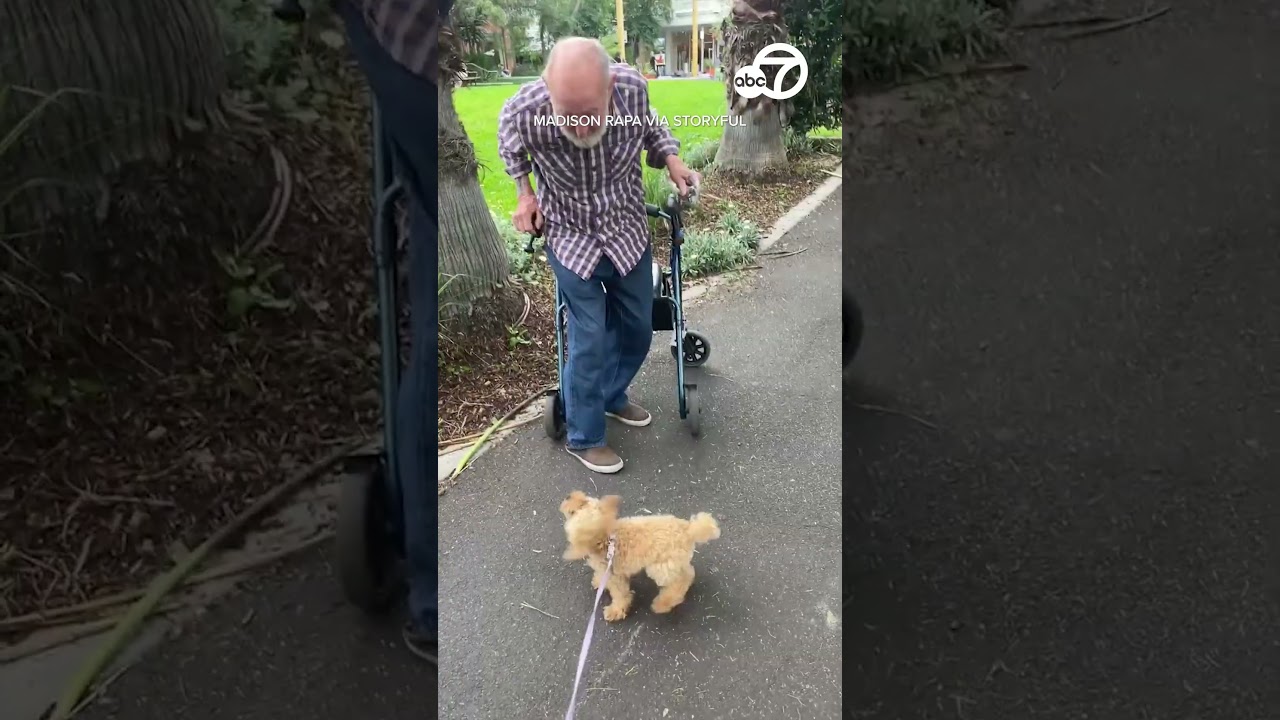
pixel 660 545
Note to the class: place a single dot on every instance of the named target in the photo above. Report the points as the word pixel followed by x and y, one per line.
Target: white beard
pixel 584 143
pixel 590 141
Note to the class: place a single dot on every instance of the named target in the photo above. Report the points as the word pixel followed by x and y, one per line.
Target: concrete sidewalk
pixel 759 635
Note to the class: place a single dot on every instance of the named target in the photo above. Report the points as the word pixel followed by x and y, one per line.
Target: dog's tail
pixel 703 528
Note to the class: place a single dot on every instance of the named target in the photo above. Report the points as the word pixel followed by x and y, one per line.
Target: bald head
pixel 576 60
pixel 579 83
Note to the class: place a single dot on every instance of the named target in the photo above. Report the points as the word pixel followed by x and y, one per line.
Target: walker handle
pixel 528 246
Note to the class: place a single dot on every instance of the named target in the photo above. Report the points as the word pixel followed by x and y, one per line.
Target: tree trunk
pixel 755 146
pixel 473 258
pixel 129 92
pixel 642 56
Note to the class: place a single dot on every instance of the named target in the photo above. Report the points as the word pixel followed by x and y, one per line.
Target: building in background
pixel 678 31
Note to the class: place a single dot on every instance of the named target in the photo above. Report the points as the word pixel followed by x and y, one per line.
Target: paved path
pixel 284 647
pixel 1083 297
pixel 759 636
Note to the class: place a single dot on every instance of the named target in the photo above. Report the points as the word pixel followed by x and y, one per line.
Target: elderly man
pixel 580 129
pixel 396 43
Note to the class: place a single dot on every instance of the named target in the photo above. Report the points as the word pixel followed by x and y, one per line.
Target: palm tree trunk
pixel 755 146
pixel 471 251
pixel 133 90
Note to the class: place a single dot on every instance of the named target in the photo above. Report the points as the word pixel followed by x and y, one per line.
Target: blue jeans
pixel 610 330
pixel 407 104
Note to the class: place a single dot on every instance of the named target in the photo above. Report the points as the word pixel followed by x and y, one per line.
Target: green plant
pixel 443 281
pixel 269 60
pixel 745 231
pixel 251 288
pixel 797 143
pixel 516 336
pixel 258 47
pixel 701 153
pixel 523 264
pixel 711 252
pixel 657 186
pixel 483 60
pixel 815 27
pixel 889 39
pixel 728 245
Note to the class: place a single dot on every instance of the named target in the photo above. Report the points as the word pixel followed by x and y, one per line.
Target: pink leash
pixel 591 628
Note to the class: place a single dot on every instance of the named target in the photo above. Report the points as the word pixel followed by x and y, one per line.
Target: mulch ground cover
pixel 140 411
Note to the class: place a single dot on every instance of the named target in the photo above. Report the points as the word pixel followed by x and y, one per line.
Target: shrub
pixel 701 153
pixel 888 39
pixel 747 232
pixel 727 246
pixel 522 264
pixel 657 186
pixel 797 144
pixel 488 62
pixel 711 252
pixel 816 26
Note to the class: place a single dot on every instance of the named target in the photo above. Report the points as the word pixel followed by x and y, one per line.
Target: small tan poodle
pixel 660 545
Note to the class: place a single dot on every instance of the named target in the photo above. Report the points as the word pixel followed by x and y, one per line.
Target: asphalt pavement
pixel 1073 313
pixel 759 635
pixel 283 646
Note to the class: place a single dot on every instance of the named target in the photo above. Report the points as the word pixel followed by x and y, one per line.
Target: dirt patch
pixel 953 117
pixel 763 200
pixel 140 412
pixel 494 359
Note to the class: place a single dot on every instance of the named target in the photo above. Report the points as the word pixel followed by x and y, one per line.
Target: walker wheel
pixel 693 409
pixel 553 416
pixel 697 348
pixel 366 556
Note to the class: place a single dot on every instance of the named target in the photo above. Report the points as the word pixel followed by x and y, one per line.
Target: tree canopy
pixel 554 19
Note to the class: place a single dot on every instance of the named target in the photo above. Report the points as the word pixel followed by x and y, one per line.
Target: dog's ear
pixel 609 504
pixel 576 500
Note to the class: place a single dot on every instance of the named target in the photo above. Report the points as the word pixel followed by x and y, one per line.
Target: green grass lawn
pixel 478 107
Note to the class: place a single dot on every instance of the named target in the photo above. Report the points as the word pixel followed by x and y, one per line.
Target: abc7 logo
pixel 750 81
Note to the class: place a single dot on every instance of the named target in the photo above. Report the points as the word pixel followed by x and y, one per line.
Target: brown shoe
pixel 598 459
pixel 632 415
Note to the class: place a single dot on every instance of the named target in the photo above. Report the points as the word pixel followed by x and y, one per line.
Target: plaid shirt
pixel 592 200
pixel 409 30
